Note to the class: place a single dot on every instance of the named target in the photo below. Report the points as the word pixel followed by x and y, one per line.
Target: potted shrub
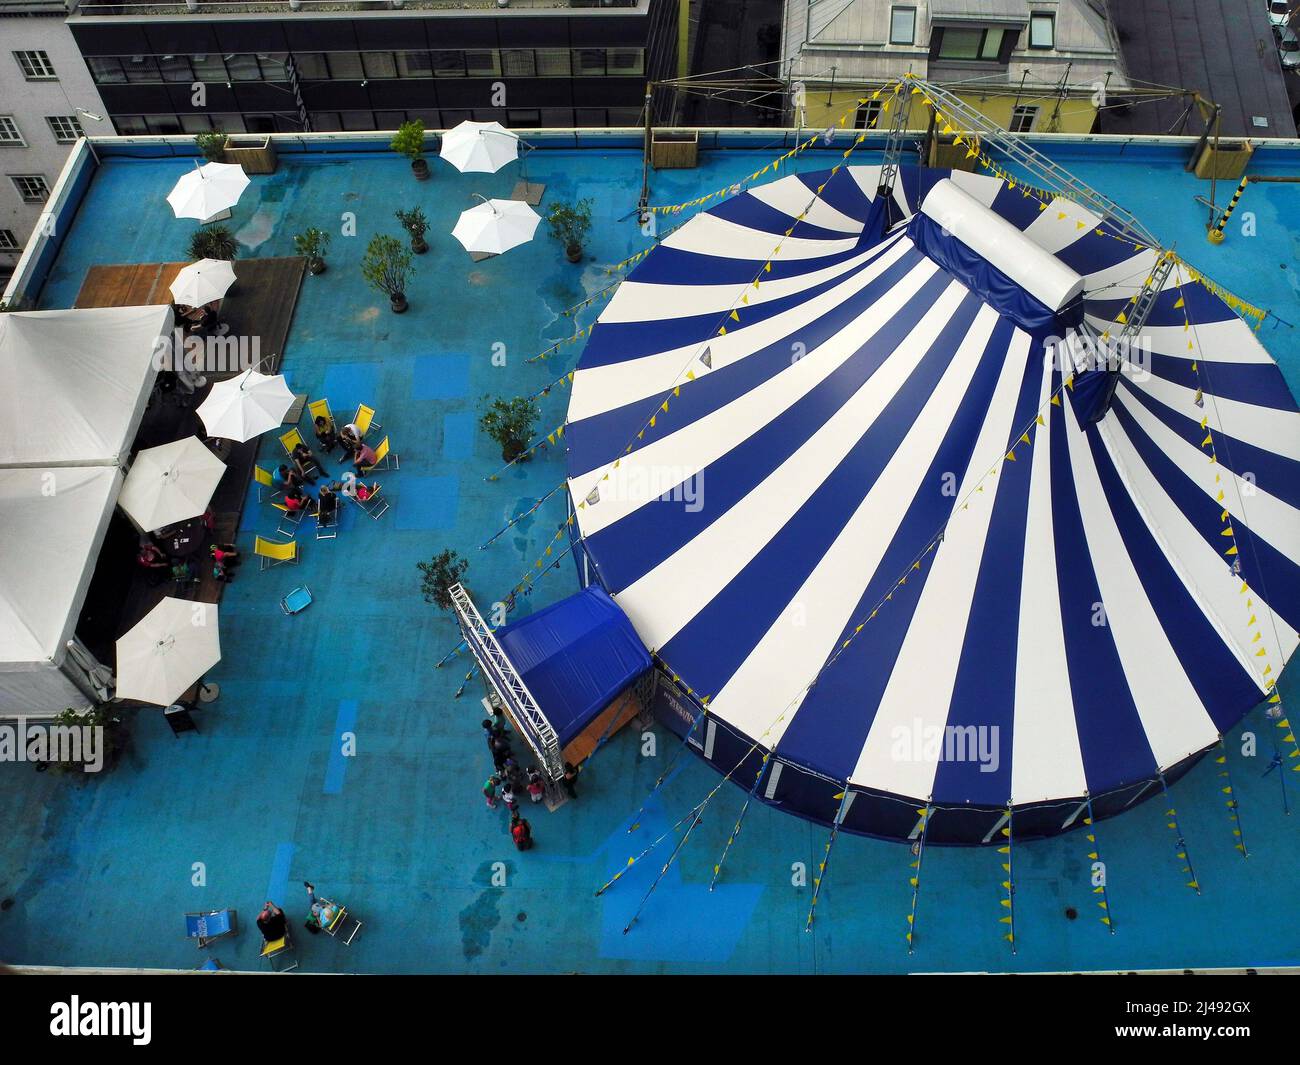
pixel 510 424
pixel 212 242
pixel 312 243
pixel 569 223
pixel 414 222
pixel 387 265
pixel 438 575
pixel 113 736
pixel 410 143
pixel 212 145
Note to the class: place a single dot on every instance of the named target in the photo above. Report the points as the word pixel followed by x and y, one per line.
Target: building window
pixel 66 128
pixel 482 63
pixel 518 63
pixel 1042 30
pixel 902 25
pixel 31 187
pixel 589 62
pixel 553 62
pixel 9 135
pixel 8 242
pixel 624 62
pixel 1023 117
pixel 448 63
pixel 969 44
pixel 867 116
pixel 414 65
pixel 36 66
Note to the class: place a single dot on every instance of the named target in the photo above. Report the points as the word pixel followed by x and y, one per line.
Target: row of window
pixel 1023 117
pixel 364 121
pixel 902 30
pixel 361 66
pixel 65 128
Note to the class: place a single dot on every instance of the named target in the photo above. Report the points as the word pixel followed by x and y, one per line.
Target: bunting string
pixel 1095 855
pixel 1008 885
pixel 692 812
pixel 826 858
pixel 636 818
pixel 549 440
pixel 735 829
pixel 1234 809
pixel 1180 847
pixel 519 517
pixel 915 879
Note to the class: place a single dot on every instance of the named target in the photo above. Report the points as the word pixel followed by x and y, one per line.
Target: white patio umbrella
pixel 170 483
pixel 202 282
pixel 481 147
pixel 176 643
pixel 208 190
pixel 245 406
pixel 495 226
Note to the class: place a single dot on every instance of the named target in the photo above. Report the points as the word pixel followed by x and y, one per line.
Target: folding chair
pixel 207 926
pixel 376 506
pixel 320 408
pixel 296 601
pixel 384 459
pixel 291 440
pixel 282 949
pixel 269 553
pixel 327 528
pixel 290 520
pixel 266 486
pixel 344 926
pixel 365 419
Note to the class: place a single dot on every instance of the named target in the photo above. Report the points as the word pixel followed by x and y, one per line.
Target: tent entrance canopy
pixel 558 669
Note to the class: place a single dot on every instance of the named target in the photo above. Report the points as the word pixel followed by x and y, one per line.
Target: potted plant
pixel 312 243
pixel 410 143
pixel 414 222
pixel 438 575
pixel 387 265
pixel 510 424
pixel 212 242
pixel 569 223
pixel 212 145
pixel 113 736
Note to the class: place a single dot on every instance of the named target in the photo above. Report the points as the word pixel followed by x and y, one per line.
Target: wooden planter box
pixel 255 154
pixel 948 156
pixel 679 150
pixel 1227 162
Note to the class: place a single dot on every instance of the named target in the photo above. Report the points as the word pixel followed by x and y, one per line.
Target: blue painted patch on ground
pixel 427 502
pixel 350 383
pixel 344 725
pixel 440 377
pixel 458 429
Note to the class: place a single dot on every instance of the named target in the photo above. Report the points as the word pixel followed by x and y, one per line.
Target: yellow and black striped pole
pixel 1215 235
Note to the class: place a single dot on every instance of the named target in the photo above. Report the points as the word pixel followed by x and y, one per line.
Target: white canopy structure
pixel 74 383
pixel 52 524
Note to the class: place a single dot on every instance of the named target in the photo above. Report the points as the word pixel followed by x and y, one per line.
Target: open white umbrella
pixel 245 406
pixel 495 226
pixel 202 282
pixel 176 643
pixel 170 483
pixel 208 190
pixel 481 147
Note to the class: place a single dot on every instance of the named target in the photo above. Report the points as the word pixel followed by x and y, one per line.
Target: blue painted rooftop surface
pixel 101 871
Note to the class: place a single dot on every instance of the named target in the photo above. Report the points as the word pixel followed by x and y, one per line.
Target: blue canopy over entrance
pixel 575 656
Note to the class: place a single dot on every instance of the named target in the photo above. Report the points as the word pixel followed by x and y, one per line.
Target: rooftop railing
pixel 328 7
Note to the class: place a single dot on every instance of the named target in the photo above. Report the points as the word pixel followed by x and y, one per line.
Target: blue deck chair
pixel 205 927
pixel 296 601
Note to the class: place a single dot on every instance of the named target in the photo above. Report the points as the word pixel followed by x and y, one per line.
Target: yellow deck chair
pixel 320 408
pixel 291 440
pixel 365 419
pixel 384 459
pixel 269 553
pixel 279 948
pixel 266 486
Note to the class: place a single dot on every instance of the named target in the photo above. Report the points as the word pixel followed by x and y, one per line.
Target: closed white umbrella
pixel 495 226
pixel 202 282
pixel 245 406
pixel 208 190
pixel 169 650
pixel 479 147
pixel 170 483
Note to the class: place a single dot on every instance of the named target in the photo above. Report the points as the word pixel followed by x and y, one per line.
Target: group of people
pixel 509 780
pixel 297 476
pixel 184 569
pixel 321 913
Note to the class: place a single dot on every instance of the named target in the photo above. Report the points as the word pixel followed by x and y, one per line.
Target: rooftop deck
pixel 100 871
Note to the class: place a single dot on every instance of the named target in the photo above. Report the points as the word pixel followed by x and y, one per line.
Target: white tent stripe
pixel 708 235
pixel 789 195
pixel 1263 427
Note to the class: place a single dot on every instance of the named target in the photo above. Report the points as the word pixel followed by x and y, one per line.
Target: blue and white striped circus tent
pixel 906 547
